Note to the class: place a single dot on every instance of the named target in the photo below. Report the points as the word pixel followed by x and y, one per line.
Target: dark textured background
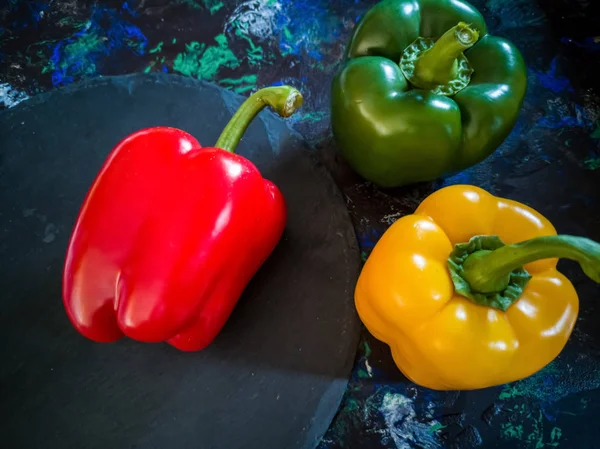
pixel 550 161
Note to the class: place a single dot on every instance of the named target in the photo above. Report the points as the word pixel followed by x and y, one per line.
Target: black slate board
pixel 276 374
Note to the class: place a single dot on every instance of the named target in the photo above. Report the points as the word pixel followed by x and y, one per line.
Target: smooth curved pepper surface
pixel 171 233
pixel 394 134
pixel 440 339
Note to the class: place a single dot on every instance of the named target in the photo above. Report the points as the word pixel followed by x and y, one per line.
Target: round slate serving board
pixel 275 375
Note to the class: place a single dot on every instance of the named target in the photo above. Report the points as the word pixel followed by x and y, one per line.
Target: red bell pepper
pixel 170 234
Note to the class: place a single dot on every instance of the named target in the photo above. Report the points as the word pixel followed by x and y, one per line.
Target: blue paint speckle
pixel 589 43
pixel 36 13
pixel 277 83
pixel 579 120
pixel 368 238
pixel 311 27
pixel 105 33
pixel 125 7
pixel 549 413
pixel 463 177
pixel 37 10
pixel 315 55
pixel 550 79
pixel 19 24
pixel 559 122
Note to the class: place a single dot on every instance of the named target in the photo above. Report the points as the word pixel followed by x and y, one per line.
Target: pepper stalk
pixel 440 66
pixel 491 273
pixel 285 100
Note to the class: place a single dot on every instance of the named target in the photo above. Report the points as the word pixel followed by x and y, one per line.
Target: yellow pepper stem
pixel 490 273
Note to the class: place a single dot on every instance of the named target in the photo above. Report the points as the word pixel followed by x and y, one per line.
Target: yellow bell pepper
pixel 464 305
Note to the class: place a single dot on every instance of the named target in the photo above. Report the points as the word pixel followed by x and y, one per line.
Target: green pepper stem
pixel 488 271
pixel 439 64
pixel 285 100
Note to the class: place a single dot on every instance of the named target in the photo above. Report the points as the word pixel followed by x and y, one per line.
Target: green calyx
pixel 509 286
pixel 490 273
pixel 440 66
pixel 284 100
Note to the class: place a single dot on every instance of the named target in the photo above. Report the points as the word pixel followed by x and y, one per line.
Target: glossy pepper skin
pixel 441 339
pixel 394 133
pixel 170 234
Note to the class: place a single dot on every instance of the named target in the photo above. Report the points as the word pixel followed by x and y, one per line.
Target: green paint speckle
pixel 213 5
pixel 255 53
pixel 204 62
pixel 38 58
pixel 289 37
pixel 239 85
pixel 255 56
pixel 437 426
pixel 75 56
pixel 551 384
pixel 592 163
pixel 72 22
pixel 526 421
pixel 242 80
pixel 157 48
pixel 530 429
pixel 537 434
pixel 190 3
pixel 174 40
pixel 363 256
pixel 350 413
pixel 362 374
pixel 510 431
pixel 314 116
pixel 242 89
pixel 367 349
pixel 596 133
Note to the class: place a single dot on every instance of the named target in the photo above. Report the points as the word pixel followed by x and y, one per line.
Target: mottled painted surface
pixel 239 45
pixel 246 45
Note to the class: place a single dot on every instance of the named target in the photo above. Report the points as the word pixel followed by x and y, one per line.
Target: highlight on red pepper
pixel 170 233
pixel 466 292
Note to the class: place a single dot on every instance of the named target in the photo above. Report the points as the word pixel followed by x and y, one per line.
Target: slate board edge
pixel 322 419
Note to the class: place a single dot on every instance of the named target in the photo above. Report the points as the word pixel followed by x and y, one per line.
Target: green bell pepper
pixel 424 92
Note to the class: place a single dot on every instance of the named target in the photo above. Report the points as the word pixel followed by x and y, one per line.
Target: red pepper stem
pixel 285 100
pixel 488 271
